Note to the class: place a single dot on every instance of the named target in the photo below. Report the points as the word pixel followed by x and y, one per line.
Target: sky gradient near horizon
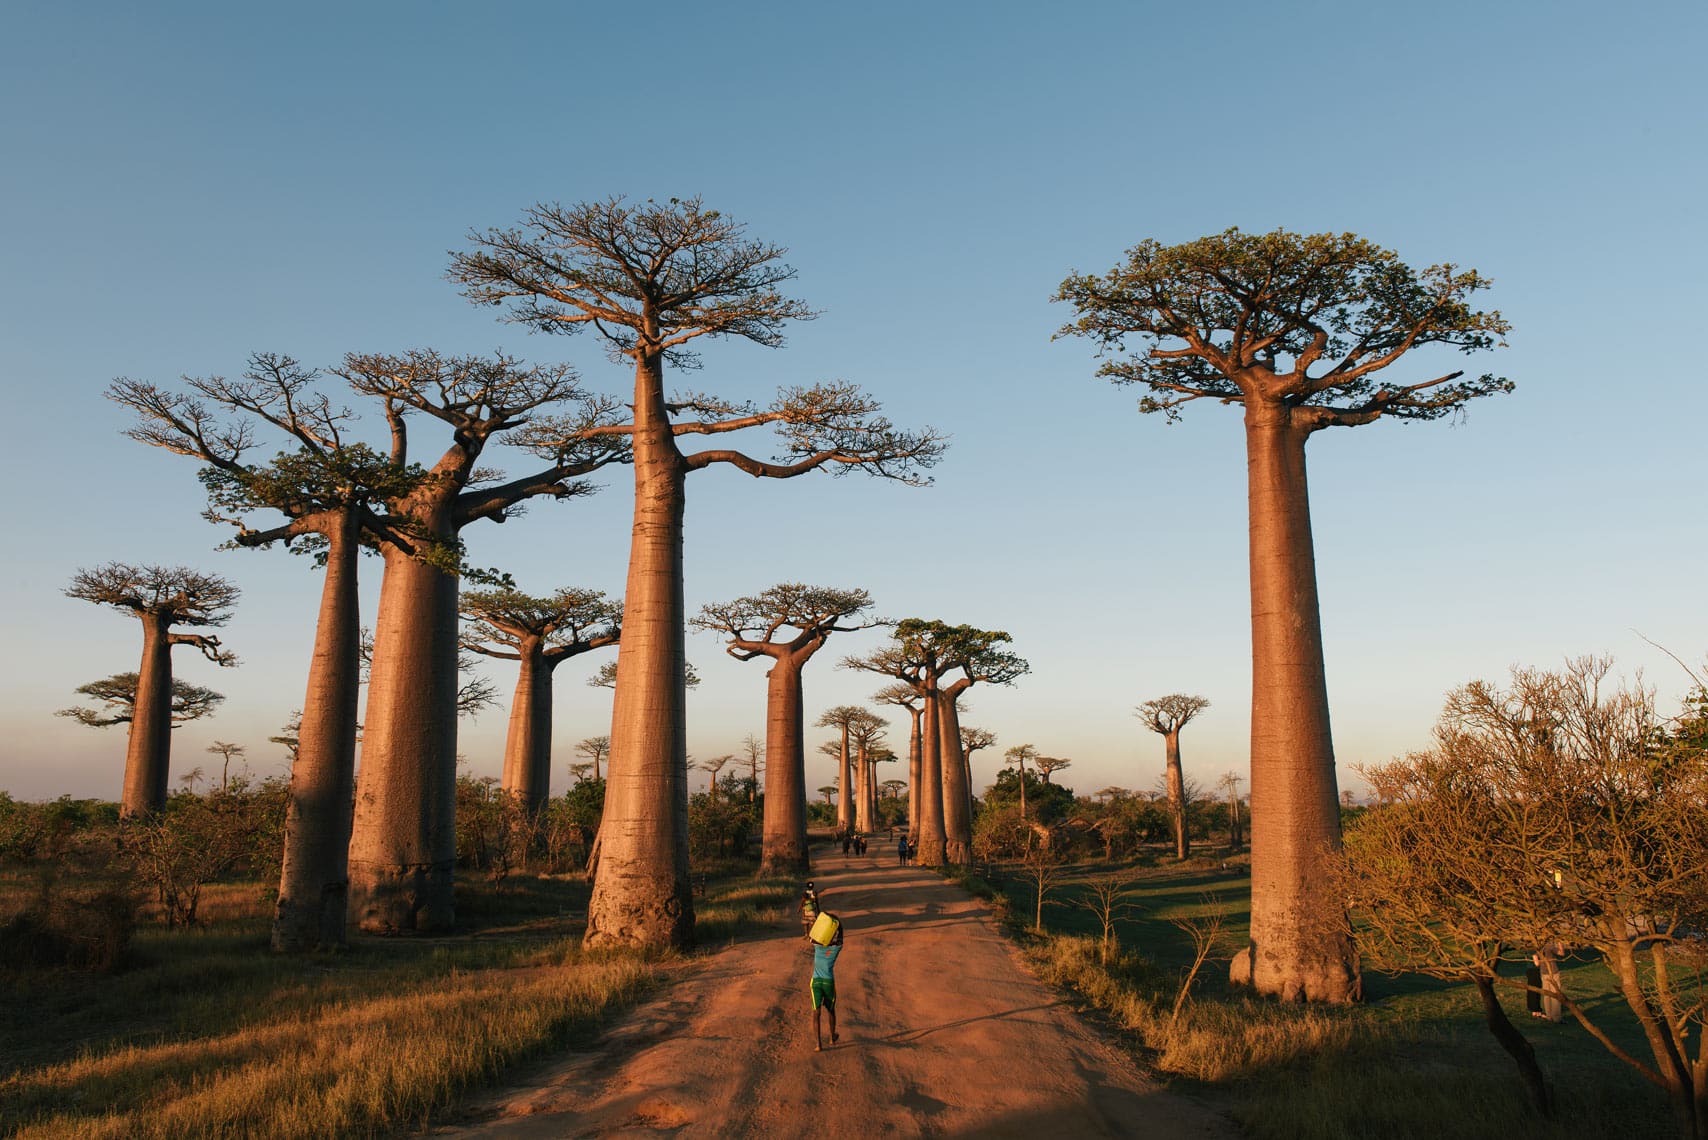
pixel 184 184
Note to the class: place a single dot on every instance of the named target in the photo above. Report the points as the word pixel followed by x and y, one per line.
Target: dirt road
pixel 942 1034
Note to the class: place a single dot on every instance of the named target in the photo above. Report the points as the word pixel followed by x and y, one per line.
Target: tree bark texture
pixel 528 744
pixel 641 894
pixel 148 751
pixel 784 845
pixel 957 819
pixel 1301 947
pixel 931 843
pixel 404 843
pixel 1177 795
pixel 315 880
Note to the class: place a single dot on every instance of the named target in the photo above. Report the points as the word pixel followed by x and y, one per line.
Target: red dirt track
pixel 942 1034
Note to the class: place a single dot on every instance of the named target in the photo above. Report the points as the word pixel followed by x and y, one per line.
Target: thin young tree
pixel 903 696
pixel 1299 331
pixel 160 598
pixel 1230 783
pixel 786 625
pixel 117 695
pixel 652 279
pixel 1021 753
pixel 539 634
pixel 595 748
pixel 713 766
pixel 227 752
pixel 1166 716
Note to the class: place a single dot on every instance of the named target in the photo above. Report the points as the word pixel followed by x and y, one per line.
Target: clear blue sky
pixel 182 185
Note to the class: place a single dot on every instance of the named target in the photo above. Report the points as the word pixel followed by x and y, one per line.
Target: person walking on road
pixel 824 986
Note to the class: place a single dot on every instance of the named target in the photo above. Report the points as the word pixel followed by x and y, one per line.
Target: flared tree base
pixel 1308 974
pixel 638 913
pixel 302 925
pixel 416 898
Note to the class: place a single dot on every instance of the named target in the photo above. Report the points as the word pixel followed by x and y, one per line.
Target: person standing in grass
pixel 824 986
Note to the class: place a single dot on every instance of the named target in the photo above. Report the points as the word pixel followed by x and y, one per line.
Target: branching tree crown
pixel 1170 714
pixel 177 595
pixel 790 616
pixel 1306 321
pixel 117 695
pixel 569 622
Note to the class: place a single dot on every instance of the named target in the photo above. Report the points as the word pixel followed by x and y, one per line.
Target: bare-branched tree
pixel 1230 783
pixel 160 598
pixel 651 279
pixel 753 749
pixel 227 752
pixel 1166 716
pixel 595 748
pixel 117 695
pixel 1299 331
pixel 540 634
pixel 786 625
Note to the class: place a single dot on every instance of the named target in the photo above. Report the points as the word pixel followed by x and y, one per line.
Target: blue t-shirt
pixel 824 962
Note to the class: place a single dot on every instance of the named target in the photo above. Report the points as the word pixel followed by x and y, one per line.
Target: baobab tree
pixel 843 718
pixel 866 733
pixel 595 748
pixel 1048 764
pixel 117 695
pixel 1166 716
pixel 540 634
pixel 1230 783
pixel 754 749
pixel 828 791
pixel 785 624
pixel 1021 753
pixel 713 766
pixel 652 279
pixel 227 752
pixel 904 696
pixel 979 656
pixel 1299 331
pixel 160 598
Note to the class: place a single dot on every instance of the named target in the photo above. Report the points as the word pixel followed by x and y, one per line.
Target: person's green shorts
pixel 823 992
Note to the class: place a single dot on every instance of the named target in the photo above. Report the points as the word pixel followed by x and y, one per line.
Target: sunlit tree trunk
pixel 1177 795
pixel 404 844
pixel 314 883
pixel 915 755
pixel 845 791
pixel 784 846
pixel 641 891
pixel 528 744
pixel 1300 941
pixel 148 751
pixel 931 845
pixel 957 820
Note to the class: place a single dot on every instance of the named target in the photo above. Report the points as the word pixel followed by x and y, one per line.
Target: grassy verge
pixel 206 1033
pixel 1414 1061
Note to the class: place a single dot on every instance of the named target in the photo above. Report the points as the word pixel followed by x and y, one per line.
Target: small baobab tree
pixel 894 787
pixel 1166 716
pixel 1299 331
pixel 652 279
pixel 1021 753
pixel 753 749
pixel 979 655
pixel 1049 764
pixel 829 791
pixel 712 767
pixel 595 748
pixel 539 634
pixel 160 598
pixel 1230 783
pixel 843 718
pixel 786 625
pixel 227 752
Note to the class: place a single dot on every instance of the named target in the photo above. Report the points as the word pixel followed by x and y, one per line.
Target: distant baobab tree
pixel 843 718
pixel 227 752
pixel 828 791
pixel 786 625
pixel 652 278
pixel 894 787
pixel 1230 783
pixel 754 749
pixel 1299 332
pixel 117 695
pixel 1166 716
pixel 1048 764
pixel 539 634
pixel 866 735
pixel 713 766
pixel 1021 753
pixel 595 748
pixel 581 771
pixel 160 598
pixel 904 696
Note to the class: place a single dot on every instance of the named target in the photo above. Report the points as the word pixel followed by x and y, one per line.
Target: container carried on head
pixel 824 928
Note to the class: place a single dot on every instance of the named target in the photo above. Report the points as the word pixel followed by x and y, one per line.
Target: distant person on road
pixel 809 906
pixel 847 842
pixel 824 986
pixel 901 851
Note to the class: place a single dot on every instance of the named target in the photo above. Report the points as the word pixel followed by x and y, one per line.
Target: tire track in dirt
pixel 943 1033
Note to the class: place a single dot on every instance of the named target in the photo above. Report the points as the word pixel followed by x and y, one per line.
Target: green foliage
pixel 719 827
pixel 199 839
pixel 1045 802
pixel 32 832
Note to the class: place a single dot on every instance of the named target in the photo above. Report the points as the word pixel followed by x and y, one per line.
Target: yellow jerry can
pixel 824 928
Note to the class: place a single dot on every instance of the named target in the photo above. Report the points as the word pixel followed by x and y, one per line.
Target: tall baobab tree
pixel 160 598
pixel 903 695
pixel 973 740
pixel 865 733
pixel 842 718
pixel 785 624
pixel 1166 716
pixel 117 695
pixel 913 662
pixel 651 279
pixel 978 655
pixel 1230 783
pixel 540 634
pixel 595 748
pixel 754 750
pixel 1299 331
pixel 1021 753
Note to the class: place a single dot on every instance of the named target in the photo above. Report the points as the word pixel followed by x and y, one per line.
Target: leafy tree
pixel 1048 764
pixel 652 279
pixel 117 695
pixel 539 634
pixel 786 625
pixel 1299 331
pixel 713 766
pixel 1166 716
pixel 160 598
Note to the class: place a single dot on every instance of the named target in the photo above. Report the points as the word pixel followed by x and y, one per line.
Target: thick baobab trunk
pixel 528 746
pixel 931 842
pixel 315 881
pixel 866 810
pixel 957 819
pixel 915 755
pixel 1301 947
pixel 784 846
pixel 1177 795
pixel 641 894
pixel 148 751
pixel 404 843
pixel 845 792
